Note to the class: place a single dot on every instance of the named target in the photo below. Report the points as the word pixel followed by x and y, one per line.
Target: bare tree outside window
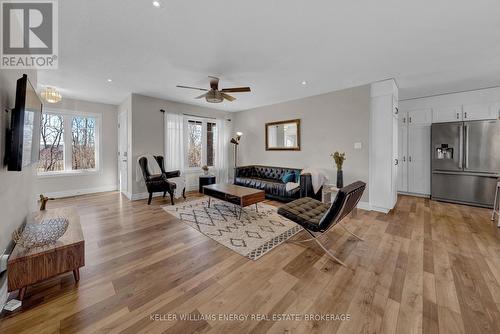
pixel 51 143
pixel 83 143
pixel 194 143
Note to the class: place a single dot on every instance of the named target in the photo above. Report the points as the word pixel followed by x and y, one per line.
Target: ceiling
pixel 429 47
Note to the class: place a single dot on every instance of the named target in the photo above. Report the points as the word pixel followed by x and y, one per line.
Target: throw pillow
pixel 288 177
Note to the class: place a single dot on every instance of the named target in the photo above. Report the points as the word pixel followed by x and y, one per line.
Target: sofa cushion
pixel 271 187
pixel 273 173
pixel 305 211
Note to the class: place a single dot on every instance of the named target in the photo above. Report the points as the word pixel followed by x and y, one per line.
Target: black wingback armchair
pixel 159 183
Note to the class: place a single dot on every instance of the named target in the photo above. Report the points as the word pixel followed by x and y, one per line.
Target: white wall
pixel 106 178
pixel 329 122
pixel 147 131
pixel 16 188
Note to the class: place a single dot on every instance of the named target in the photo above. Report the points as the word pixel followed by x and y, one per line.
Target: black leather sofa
pixel 269 179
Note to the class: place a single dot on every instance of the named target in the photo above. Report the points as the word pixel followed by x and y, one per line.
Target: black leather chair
pixel 159 183
pixel 317 217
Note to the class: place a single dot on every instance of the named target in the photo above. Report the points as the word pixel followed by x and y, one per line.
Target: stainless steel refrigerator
pixel 465 162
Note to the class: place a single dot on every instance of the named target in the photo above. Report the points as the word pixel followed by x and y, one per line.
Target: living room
pixel 243 167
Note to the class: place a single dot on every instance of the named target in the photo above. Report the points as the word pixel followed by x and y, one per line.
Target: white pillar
pixel 382 185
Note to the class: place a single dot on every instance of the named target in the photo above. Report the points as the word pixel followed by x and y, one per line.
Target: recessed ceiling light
pixel 304 82
pixel 110 80
pixel 156 4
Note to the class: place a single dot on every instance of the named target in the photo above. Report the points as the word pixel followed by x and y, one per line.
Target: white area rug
pixel 255 234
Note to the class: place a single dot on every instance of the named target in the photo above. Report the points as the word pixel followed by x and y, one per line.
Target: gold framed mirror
pixel 283 135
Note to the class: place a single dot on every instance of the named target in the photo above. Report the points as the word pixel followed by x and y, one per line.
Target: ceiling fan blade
pixel 214 82
pixel 202 95
pixel 228 97
pixel 188 87
pixel 236 90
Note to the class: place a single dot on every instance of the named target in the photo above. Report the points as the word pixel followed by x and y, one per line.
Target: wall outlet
pixel 358 146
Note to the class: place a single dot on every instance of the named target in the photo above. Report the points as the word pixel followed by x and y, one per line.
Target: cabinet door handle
pixel 396 162
pixel 397 111
pixel 410 119
pixel 404 159
pixel 458 116
pixel 465 114
pixel 404 119
pixel 409 158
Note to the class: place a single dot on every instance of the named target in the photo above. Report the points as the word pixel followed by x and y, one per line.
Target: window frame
pixel 204 143
pixel 68 116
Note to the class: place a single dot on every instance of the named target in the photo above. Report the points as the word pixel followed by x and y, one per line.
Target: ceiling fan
pixel 214 95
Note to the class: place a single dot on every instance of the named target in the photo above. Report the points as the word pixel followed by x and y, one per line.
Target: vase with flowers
pixel 339 159
pixel 205 169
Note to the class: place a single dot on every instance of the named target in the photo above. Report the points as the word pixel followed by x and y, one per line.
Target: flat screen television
pixel 23 137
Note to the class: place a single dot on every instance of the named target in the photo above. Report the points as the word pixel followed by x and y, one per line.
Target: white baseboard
pixel 414 194
pixel 364 206
pixel 136 197
pixel 379 209
pixel 76 192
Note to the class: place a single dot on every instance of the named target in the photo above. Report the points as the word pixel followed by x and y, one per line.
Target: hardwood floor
pixel 426 267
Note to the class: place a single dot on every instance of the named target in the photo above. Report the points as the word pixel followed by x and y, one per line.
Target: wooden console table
pixel 30 266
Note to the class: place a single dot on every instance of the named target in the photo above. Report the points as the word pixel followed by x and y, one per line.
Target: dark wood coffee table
pixel 237 195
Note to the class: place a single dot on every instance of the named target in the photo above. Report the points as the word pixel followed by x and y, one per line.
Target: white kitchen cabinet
pixel 476 112
pixel 447 114
pixel 419 160
pixel 403 153
pixel 419 117
pixel 414 152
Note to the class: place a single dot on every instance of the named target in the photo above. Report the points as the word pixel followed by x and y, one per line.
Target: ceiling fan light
pixel 214 96
pixel 51 95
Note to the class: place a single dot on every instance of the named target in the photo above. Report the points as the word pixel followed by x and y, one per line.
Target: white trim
pixel 78 172
pixel 379 209
pixel 414 194
pixel 68 116
pixel 76 192
pixel 364 206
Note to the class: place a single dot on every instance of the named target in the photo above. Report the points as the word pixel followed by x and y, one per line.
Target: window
pixel 211 143
pixel 201 143
pixel 68 143
pixel 83 143
pixel 51 144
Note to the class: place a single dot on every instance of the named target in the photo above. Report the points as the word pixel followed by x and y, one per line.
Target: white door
pixel 403 154
pixel 123 152
pixel 481 112
pixel 447 114
pixel 419 161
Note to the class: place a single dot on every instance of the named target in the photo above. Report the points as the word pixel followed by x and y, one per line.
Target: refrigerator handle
pixel 466 146
pixel 460 149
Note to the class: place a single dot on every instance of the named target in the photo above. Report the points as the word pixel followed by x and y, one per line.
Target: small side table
pixel 205 180
pixel 28 266
pixel 329 193
pixel 496 211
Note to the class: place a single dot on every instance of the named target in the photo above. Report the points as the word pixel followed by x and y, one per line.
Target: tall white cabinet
pixel 383 145
pixel 414 163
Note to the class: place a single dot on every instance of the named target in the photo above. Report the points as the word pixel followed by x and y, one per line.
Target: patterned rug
pixel 255 234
